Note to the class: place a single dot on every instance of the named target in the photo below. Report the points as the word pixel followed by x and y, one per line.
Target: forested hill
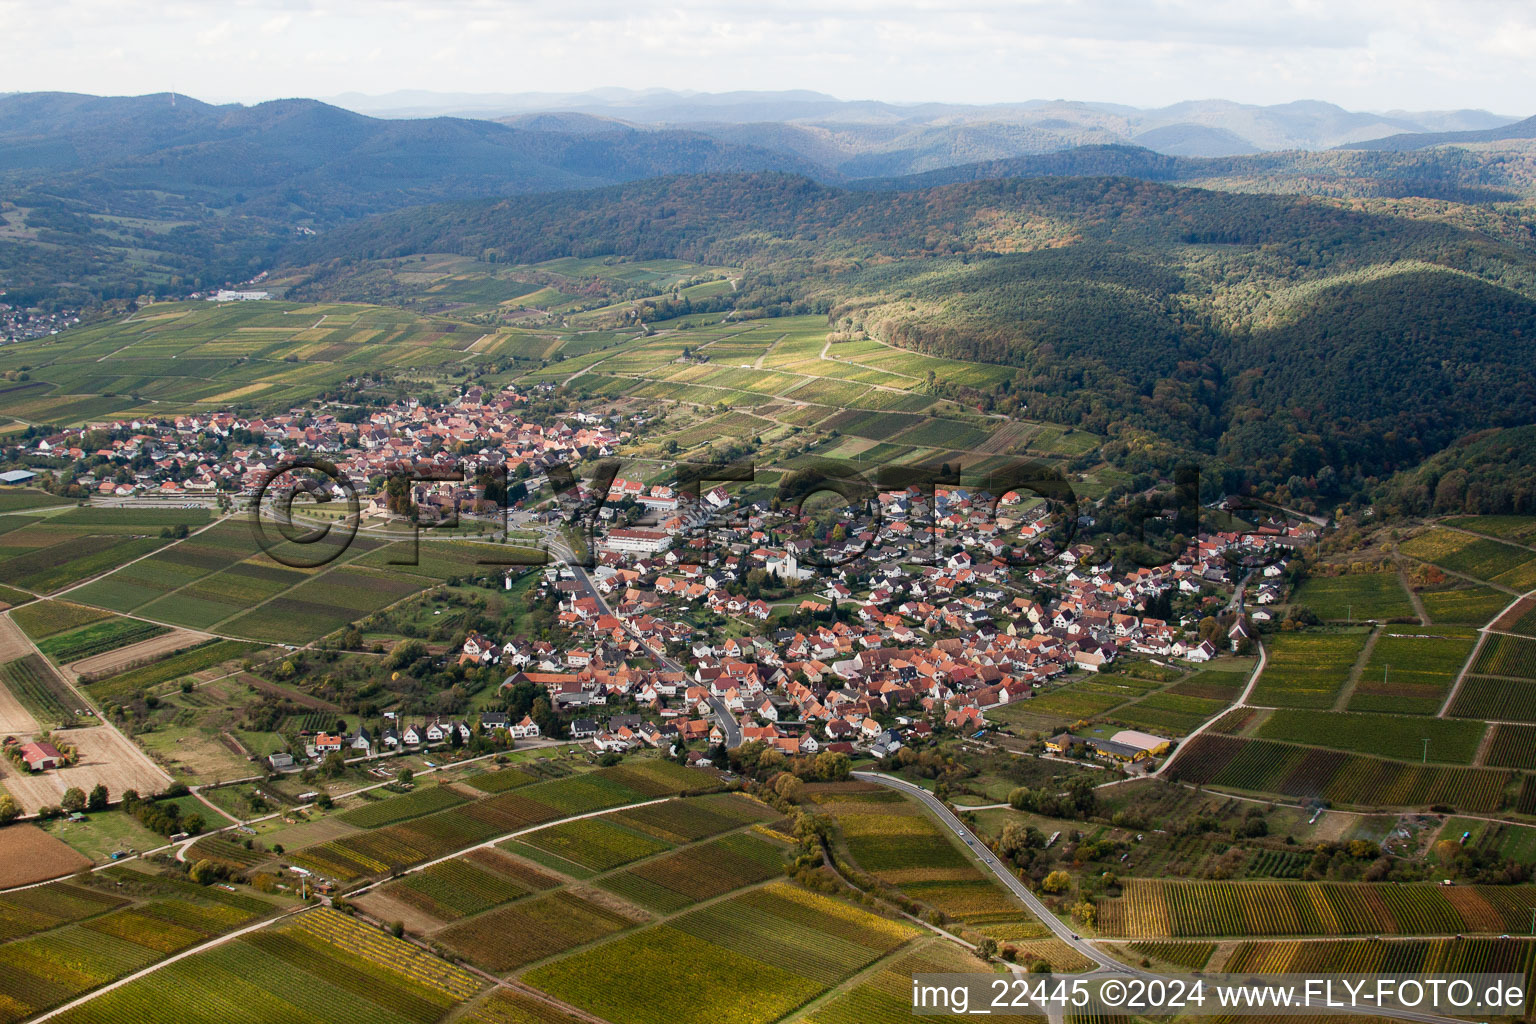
pixel 115 197
pixel 106 198
pixel 1275 334
pixel 1450 173
pixel 309 160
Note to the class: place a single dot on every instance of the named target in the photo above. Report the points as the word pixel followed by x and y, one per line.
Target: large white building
pixel 636 542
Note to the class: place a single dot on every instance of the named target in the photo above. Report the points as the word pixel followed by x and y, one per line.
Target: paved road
pixel 722 714
pixel 1061 930
pixel 1242 702
pixel 1007 877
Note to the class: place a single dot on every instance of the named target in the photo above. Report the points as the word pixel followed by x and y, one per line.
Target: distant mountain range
pixel 1409 141
pixel 991 131
pixel 113 196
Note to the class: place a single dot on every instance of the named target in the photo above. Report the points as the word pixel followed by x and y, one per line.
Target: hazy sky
pixel 1363 54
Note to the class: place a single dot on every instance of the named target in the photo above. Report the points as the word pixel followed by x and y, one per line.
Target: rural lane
pixel 1008 878
pixel 1060 929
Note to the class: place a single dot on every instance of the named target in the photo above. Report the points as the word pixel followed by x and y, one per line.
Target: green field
pixel 1466 605
pixel 42 619
pixel 1312 773
pixel 1376 595
pixel 356 971
pixel 185 664
pixel 37 685
pixel 98 638
pixel 186 357
pixel 1154 909
pixel 1308 670
pixel 1490 560
pixel 1399 737
pixel 752 959
pixel 1411 669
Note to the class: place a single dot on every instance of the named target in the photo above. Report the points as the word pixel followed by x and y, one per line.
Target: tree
pixel 832 766
pixel 986 948
pixel 73 799
pixel 405 777
pixel 98 798
pixel 10 810
pixel 206 872
pixel 1057 882
pixel 789 787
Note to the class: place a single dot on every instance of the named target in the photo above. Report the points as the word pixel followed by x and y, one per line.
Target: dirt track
pixel 99 665
pixel 105 757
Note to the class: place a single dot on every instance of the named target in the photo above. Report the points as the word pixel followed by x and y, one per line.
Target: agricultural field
pixel 1492 561
pixel 1505 840
pixel 185 664
pixel 1390 956
pixel 751 958
pixel 1308 773
pixel 885 996
pixel 1393 736
pixel 478 882
pixel 10 597
pixel 1509 656
pixel 1165 909
pixel 1463 605
pixel 106 758
pixel 696 873
pixel 1068 703
pixel 1356 598
pixel 1191 956
pixel 1308 670
pixel 899 844
pixel 1519 619
pixel 92 937
pixel 46 697
pixel 20 499
pixel 1513 746
pixel 28 854
pixel 519 933
pixel 1521 529
pixel 1411 671
pixel 1171 712
pixel 42 619
pixel 1502 683
pixel 196 356
pixel 861 389
pixel 1496 699
pixel 423 800
pixel 597 844
pixel 359 974
pixel 46 557
pixel 99 638
pixel 394 847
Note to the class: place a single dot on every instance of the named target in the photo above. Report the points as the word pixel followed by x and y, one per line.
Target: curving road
pixel 1061 930
pixel 1018 888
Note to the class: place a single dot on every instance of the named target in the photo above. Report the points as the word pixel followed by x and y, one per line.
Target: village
pixel 714 620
